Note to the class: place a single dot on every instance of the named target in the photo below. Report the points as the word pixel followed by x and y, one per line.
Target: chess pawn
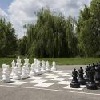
pixel 81 80
pixel 91 83
pixel 5 73
pixel 16 75
pixel 38 71
pixel 18 60
pixel 43 69
pixel 26 60
pixel 27 69
pixel 74 83
pixel 19 68
pixel 35 60
pixel 47 66
pixel 24 72
pixel 12 72
pixel 32 72
pixel 54 66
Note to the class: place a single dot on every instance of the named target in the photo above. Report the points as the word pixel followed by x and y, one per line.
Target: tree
pixel 8 39
pixel 51 36
pixel 88 30
pixel 22 46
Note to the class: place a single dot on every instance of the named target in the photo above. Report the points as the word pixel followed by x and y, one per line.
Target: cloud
pixel 3 14
pixel 23 11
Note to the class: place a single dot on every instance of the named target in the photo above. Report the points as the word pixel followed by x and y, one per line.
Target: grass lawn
pixel 60 61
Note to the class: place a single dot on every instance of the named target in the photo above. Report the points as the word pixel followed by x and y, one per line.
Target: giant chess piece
pixel 19 68
pixel 27 65
pixel 32 72
pixel 81 80
pixel 38 71
pixel 12 72
pixel 35 63
pixel 97 75
pixel 5 73
pixel 43 68
pixel 18 60
pixel 24 72
pixel 74 83
pixel 91 83
pixel 26 62
pixel 54 66
pixel 48 66
pixel 16 75
pixel 87 73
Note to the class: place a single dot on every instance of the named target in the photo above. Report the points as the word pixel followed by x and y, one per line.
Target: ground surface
pixel 49 86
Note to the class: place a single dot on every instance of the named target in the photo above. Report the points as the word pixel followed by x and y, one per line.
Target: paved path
pixel 35 93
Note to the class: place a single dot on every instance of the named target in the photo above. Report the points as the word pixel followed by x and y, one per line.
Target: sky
pixel 20 12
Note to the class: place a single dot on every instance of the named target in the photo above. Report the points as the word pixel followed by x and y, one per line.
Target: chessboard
pixel 57 80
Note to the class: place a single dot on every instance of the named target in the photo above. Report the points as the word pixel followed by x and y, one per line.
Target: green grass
pixel 60 61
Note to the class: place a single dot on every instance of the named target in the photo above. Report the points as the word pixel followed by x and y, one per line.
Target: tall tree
pixel 49 36
pixel 89 29
pixel 8 39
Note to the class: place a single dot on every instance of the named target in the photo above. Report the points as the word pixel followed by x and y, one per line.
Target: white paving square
pixel 58 71
pixel 17 82
pixel 37 78
pixel 43 84
pixel 38 81
pixel 48 74
pixel 70 78
pixel 52 76
pixel 64 82
pixel 58 79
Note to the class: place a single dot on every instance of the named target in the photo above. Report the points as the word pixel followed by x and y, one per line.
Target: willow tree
pixel 48 37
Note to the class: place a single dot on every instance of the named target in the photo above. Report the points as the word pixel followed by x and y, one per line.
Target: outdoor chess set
pixel 40 74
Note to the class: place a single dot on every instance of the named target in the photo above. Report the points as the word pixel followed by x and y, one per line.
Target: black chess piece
pixel 87 69
pixel 91 83
pixel 97 75
pixel 93 66
pixel 81 79
pixel 74 83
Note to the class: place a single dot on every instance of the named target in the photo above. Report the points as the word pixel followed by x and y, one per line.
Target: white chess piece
pixel 26 61
pixel 25 71
pixel 12 72
pixel 16 75
pixel 43 68
pixel 47 66
pixel 32 72
pixel 54 66
pixel 38 71
pixel 18 60
pixel 19 68
pixel 5 73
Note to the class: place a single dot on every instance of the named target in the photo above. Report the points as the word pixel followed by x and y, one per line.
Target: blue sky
pixel 20 12
pixel 4 4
